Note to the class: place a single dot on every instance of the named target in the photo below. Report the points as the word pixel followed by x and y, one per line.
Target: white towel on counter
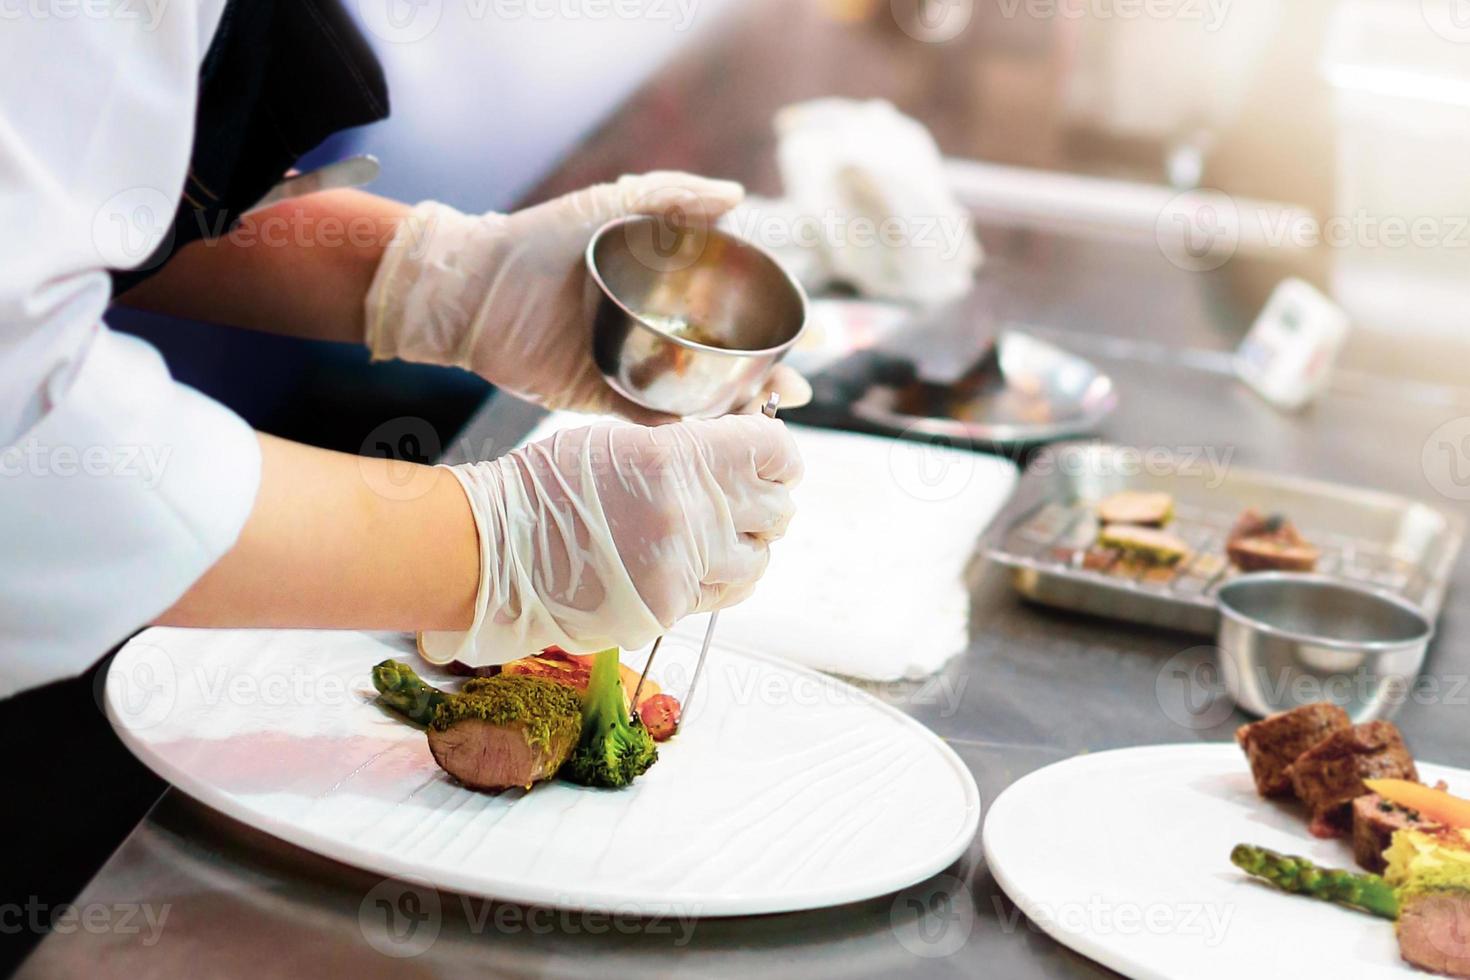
pixel 869 580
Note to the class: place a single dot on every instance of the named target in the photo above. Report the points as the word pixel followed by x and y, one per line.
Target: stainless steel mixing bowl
pixel 689 320
pixel 1288 639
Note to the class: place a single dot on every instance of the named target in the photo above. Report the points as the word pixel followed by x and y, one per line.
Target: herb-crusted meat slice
pixel 1272 744
pixel 503 732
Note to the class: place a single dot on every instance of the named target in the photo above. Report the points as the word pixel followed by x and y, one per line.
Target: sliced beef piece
pixel 1375 820
pixel 1329 776
pixel 1260 543
pixel 1272 744
pixel 1434 932
pixel 484 755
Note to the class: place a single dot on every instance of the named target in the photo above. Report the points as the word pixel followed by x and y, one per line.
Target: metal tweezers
pixel 769 411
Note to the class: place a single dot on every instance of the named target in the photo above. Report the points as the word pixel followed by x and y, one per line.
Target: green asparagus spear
pixel 1369 893
pixel 405 692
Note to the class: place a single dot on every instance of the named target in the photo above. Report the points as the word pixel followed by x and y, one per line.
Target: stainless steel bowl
pixel 1288 639
pixel 689 320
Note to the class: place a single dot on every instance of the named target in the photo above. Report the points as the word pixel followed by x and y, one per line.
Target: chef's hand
pixel 607 535
pixel 505 295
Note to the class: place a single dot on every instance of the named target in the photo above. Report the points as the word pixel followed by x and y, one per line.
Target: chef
pixel 129 498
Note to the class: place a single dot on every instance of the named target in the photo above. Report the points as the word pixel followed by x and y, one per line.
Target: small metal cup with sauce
pixel 689 320
pixel 1288 639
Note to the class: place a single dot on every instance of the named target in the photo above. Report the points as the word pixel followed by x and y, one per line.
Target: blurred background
pixel 1336 129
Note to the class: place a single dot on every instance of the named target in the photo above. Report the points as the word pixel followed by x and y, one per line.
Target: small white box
pixel 1290 350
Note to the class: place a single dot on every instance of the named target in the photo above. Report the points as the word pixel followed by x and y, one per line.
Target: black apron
pixel 280 76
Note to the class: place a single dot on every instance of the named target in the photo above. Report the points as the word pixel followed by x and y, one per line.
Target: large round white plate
pixel 1125 857
pixel 786 789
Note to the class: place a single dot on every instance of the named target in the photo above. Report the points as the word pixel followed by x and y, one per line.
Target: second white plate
pixel 1125 857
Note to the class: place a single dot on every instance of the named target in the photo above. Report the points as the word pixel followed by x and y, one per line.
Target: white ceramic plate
pixel 1125 857
pixel 786 789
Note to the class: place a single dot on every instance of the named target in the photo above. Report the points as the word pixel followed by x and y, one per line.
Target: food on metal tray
pixel 1260 543
pixel 1146 545
pixel 1145 508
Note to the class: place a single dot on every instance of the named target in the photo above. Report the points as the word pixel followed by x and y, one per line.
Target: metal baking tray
pixel 1382 540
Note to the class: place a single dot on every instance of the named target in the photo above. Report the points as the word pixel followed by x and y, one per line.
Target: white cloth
pixel 869 580
pixel 866 184
pixel 118 486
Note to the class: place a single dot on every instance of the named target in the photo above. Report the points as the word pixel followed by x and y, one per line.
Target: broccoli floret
pixel 614 749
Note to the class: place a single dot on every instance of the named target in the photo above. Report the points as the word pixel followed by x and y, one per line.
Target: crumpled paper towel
pixel 866 203
pixel 869 580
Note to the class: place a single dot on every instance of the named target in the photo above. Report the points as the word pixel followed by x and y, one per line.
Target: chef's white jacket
pixel 119 486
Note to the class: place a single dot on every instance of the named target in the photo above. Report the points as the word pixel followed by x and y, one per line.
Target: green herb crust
pixel 547 711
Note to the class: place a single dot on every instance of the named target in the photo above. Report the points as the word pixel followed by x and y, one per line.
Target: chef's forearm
pixel 301 268
pixel 338 541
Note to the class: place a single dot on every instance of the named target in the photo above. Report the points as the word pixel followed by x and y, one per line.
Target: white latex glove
pixel 607 535
pixel 505 295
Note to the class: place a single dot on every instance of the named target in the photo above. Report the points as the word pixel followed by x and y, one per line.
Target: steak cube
pixel 1272 744
pixel 1329 776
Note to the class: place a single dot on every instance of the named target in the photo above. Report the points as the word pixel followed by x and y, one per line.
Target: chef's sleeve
pixel 119 487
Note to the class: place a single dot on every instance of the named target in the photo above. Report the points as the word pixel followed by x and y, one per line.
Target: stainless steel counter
pixel 1034 686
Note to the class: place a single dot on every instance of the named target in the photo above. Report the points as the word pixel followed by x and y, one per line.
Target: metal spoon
pixel 769 411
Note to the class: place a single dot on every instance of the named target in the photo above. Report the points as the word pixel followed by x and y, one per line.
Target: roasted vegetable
pixel 405 692
pixel 614 749
pixel 1148 545
pixel 660 715
pixel 1299 876
pixel 1432 803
